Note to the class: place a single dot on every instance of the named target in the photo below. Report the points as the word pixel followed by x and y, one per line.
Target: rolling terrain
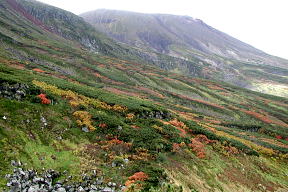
pixel 82 104
pixel 220 56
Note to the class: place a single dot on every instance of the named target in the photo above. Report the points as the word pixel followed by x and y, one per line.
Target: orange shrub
pixel 139 176
pixel 43 98
pixel 175 122
pixel 179 125
pixel 176 146
pixel 198 148
pixel 115 147
pixel 38 70
pixel 130 116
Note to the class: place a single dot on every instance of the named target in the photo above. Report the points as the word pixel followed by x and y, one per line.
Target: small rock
pixel 13 163
pixel 93 187
pixel 22 173
pixel 99 182
pixel 94 172
pixel 85 129
pixel 4 117
pixel 43 120
pixel 107 189
pixel 34 188
pixel 61 189
pixel 126 160
pixel 80 189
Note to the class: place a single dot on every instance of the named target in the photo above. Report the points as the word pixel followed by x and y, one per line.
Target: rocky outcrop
pixel 154 114
pixel 28 180
pixel 16 91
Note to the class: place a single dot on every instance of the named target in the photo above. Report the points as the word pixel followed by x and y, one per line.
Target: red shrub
pixel 278 137
pixel 102 125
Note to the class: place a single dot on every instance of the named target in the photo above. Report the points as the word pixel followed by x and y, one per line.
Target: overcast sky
pixel 260 23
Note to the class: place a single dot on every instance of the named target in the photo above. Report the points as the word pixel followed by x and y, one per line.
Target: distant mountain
pixel 221 56
pixel 174 35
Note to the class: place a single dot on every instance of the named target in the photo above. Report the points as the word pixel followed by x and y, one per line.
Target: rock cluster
pixel 154 114
pixel 22 180
pixel 16 91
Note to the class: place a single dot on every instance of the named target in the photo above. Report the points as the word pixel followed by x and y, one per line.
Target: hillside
pixel 116 124
pixel 221 56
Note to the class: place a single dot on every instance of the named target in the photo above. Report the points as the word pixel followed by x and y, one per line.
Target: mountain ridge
pixel 158 17
pixel 228 59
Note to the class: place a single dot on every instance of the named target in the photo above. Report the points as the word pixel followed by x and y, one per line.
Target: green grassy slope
pixel 181 131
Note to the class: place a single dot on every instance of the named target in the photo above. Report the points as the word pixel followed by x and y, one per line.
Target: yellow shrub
pixel 84 119
pixel 76 99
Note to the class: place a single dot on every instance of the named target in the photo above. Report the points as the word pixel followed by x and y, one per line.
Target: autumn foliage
pixel 43 98
pixel 115 147
pixel 179 125
pixel 278 137
pixel 198 148
pixel 38 70
pixel 141 154
pixel 130 116
pixel 177 146
pixel 84 119
pixel 263 118
pixel 102 125
pixel 139 176
pixel 77 99
pixel 198 145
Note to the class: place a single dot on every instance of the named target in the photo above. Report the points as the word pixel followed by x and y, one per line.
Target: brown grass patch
pixel 120 92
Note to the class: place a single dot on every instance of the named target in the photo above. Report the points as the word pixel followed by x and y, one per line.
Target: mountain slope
pixel 165 33
pixel 227 58
pixel 111 122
